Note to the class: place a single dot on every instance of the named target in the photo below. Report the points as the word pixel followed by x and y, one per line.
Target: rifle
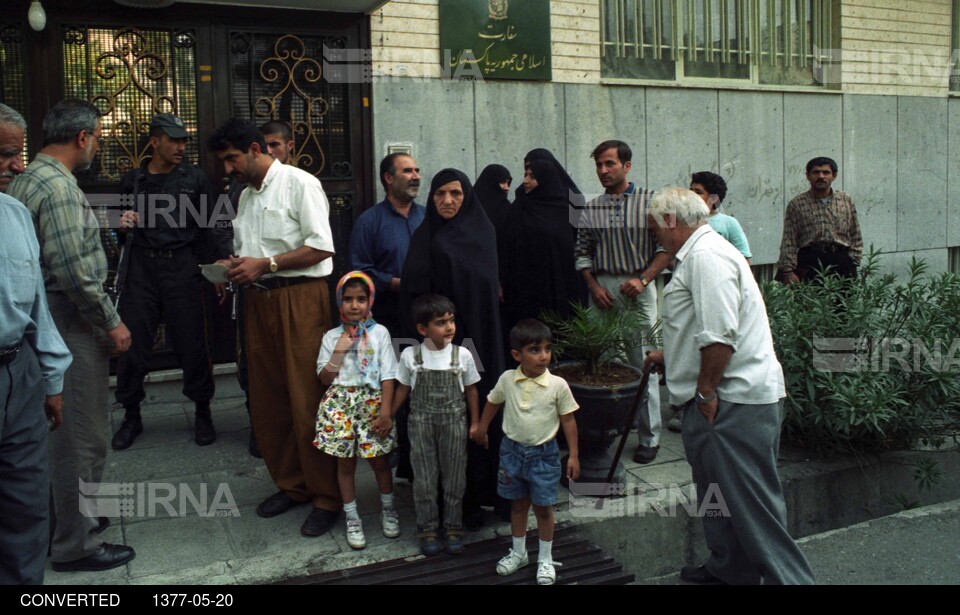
pixel 123 263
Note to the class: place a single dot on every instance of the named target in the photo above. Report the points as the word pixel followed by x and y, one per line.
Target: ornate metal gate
pixel 206 64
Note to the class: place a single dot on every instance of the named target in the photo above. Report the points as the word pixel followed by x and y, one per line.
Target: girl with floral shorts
pixel 357 362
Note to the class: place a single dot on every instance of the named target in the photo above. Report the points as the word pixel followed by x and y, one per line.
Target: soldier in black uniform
pixel 172 231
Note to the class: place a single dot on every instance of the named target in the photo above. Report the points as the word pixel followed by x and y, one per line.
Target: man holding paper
pixel 284 246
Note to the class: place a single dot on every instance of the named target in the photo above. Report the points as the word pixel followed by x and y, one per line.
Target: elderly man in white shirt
pixel 283 238
pixel 720 364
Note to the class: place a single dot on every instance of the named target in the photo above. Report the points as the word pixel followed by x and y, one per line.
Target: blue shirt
pixel 380 240
pixel 24 315
pixel 730 229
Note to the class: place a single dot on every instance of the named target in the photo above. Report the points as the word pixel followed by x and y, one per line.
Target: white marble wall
pixel 894 152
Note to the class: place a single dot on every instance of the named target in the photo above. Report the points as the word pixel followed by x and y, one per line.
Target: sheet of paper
pixel 215 273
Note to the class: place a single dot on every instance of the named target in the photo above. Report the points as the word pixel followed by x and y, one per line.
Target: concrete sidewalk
pixel 161 510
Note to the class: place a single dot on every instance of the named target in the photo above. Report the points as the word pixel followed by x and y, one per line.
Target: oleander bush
pixel 870 364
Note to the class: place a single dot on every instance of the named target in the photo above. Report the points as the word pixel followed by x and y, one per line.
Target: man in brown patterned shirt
pixel 820 229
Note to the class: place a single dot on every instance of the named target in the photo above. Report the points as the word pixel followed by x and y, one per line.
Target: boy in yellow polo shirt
pixel 537 405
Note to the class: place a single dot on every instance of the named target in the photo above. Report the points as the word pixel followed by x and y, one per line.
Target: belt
pixel 7 355
pixel 534 447
pixel 832 248
pixel 151 253
pixel 278 282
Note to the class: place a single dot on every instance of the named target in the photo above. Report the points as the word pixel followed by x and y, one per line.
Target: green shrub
pixel 598 337
pixel 885 386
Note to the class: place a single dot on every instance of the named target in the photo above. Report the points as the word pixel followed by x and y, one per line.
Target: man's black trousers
pixel 168 287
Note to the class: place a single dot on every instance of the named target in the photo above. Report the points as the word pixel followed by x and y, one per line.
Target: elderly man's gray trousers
pixel 24 474
pixel 734 464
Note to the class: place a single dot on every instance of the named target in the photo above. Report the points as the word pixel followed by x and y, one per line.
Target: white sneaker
pixel 355 537
pixel 546 573
pixel 390 522
pixel 511 563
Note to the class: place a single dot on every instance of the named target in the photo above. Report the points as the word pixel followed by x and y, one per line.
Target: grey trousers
pixel 438 452
pixel 648 415
pixel 734 465
pixel 24 474
pixel 79 448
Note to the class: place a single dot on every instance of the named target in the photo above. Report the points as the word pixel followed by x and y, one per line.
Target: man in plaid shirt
pixel 74 269
pixel 820 229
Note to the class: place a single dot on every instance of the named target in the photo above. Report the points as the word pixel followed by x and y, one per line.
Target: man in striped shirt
pixel 618 259
pixel 74 269
pixel 820 229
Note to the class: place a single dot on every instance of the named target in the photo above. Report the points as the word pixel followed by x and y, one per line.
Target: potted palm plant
pixel 591 345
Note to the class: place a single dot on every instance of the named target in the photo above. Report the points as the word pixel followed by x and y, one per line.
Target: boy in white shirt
pixel 537 405
pixel 442 377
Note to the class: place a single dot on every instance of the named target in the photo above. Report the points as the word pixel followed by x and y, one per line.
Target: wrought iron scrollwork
pixel 184 39
pixel 336 42
pixel 240 42
pixel 341 200
pixel 132 67
pixel 75 35
pixel 293 72
pixel 9 33
pixel 341 169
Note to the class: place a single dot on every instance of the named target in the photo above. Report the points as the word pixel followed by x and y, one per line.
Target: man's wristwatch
pixel 273 265
pixel 644 281
pixel 700 399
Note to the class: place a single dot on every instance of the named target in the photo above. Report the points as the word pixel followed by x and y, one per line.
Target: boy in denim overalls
pixel 442 377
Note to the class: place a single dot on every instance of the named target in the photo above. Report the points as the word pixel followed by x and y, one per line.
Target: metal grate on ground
pixel 582 564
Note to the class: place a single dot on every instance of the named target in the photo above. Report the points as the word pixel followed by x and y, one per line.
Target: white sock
pixel 386 501
pixel 350 510
pixel 546 551
pixel 520 545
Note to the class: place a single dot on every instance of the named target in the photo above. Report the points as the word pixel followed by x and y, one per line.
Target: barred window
pixel 766 42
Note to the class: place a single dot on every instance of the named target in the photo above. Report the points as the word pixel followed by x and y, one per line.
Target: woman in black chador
pixel 491 192
pixel 536 243
pixel 455 254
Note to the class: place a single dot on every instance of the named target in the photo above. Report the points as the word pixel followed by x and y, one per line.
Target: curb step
pixel 583 564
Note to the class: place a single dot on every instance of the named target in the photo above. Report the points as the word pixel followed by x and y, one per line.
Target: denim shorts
pixel 529 471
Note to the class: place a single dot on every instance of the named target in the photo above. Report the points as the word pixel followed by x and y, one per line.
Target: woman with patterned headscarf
pixel 357 362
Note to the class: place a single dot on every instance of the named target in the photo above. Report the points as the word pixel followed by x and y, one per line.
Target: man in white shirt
pixel 283 238
pixel 720 364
